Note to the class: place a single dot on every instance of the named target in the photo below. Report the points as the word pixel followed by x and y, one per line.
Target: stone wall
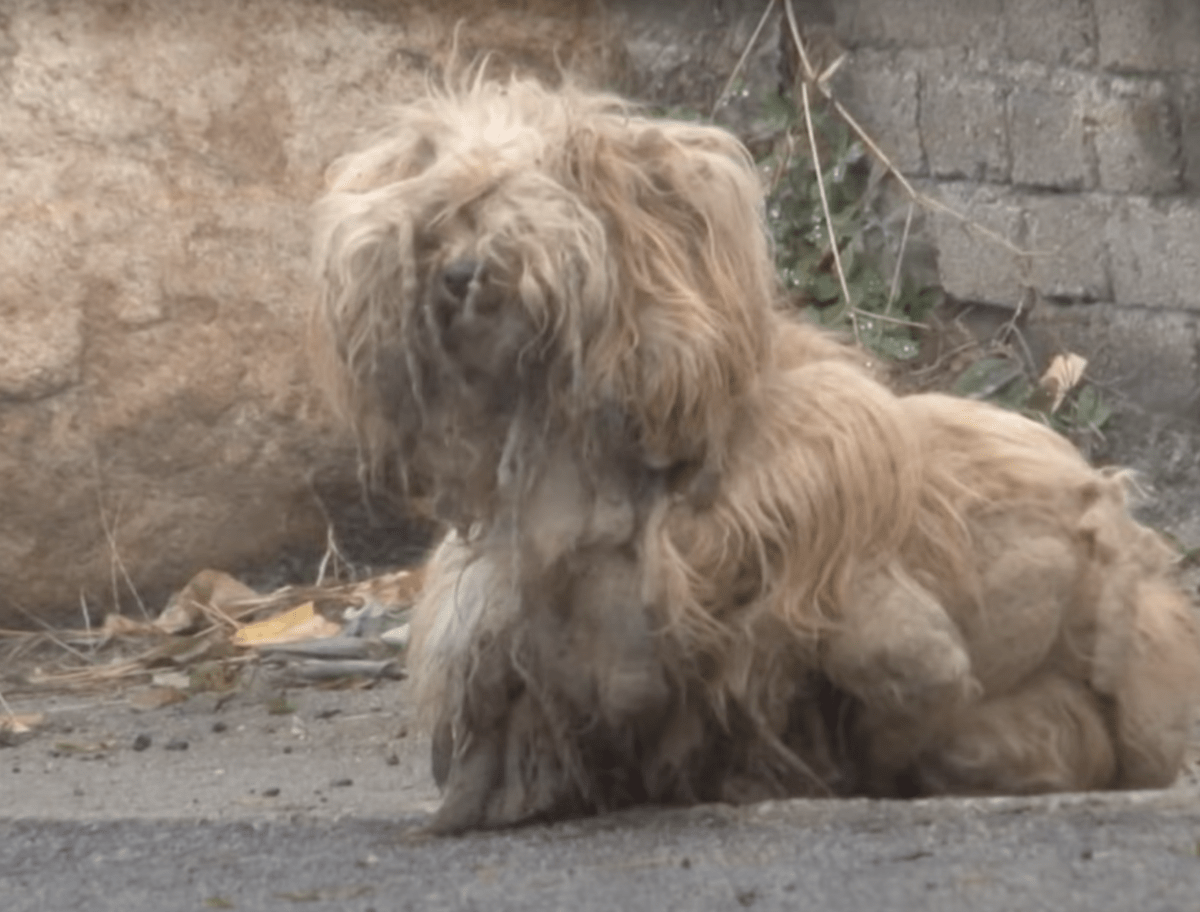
pixel 1072 128
pixel 158 158
pixel 157 162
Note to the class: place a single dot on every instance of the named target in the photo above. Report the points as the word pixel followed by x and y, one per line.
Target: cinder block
pixel 1065 235
pixel 1046 135
pixel 1136 133
pixel 978 24
pixel 1154 252
pixel 963 127
pixel 1188 101
pixel 1148 35
pixel 1057 32
pixel 1149 354
pixel 880 90
pixel 1053 243
pixel 973 265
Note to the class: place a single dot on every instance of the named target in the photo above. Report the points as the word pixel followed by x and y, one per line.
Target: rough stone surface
pixel 1061 33
pixel 963 127
pixel 159 158
pixel 917 23
pixel 1155 254
pixel 1149 35
pixel 1066 239
pixel 880 91
pixel 1137 137
pixel 1047 138
pixel 155 413
pixel 973 265
pixel 1052 244
pixel 1189 117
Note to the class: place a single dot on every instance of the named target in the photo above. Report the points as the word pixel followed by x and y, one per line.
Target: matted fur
pixel 698 551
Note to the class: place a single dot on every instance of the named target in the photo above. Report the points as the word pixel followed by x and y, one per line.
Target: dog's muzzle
pixel 457 277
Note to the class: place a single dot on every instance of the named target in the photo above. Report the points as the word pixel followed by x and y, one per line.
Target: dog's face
pixel 507 260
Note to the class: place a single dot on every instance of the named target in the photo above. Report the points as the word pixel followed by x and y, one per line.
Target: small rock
pixel 342 783
pixel 176 744
pixel 271 792
pixel 142 741
pixel 219 727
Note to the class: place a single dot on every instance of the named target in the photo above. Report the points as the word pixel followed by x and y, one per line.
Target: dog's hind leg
pixel 1147 655
pixel 1049 735
pixel 1156 693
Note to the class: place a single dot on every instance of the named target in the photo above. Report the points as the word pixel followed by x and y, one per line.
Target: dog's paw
pixel 898 651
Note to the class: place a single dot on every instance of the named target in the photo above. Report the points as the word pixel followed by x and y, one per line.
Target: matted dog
pixel 697 551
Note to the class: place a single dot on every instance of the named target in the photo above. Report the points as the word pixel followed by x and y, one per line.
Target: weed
pixel 885 316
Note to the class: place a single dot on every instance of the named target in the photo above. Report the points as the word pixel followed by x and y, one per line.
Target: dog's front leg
pixel 896 649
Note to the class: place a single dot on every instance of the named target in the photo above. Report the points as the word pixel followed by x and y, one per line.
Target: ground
pixel 315 800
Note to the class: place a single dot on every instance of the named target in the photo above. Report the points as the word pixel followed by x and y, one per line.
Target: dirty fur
pixel 696 551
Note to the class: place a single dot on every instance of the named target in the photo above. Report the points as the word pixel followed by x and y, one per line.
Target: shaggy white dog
pixel 698 552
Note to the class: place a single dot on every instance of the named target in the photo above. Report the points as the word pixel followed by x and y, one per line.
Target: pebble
pixel 142 741
pixel 176 744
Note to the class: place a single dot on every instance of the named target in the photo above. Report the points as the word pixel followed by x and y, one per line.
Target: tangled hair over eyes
pixel 600 232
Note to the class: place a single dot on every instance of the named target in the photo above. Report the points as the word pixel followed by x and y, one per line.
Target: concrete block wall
pixel 1070 127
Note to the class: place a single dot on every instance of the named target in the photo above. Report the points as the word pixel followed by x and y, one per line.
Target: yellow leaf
pixel 302 623
pixel 1062 376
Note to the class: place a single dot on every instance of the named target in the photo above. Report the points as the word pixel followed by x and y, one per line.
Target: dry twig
pixel 821 82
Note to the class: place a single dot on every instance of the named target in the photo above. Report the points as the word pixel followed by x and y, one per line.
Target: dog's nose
pixel 457 276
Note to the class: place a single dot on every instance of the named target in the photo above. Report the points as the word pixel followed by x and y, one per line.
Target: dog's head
pixel 508 261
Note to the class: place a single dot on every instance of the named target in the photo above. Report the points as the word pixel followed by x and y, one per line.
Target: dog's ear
pixel 694 282
pixel 365 272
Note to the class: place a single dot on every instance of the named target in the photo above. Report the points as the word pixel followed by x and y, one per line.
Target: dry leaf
pixel 179 680
pixel 399 588
pixel 119 625
pixel 1062 376
pixel 302 623
pixel 208 589
pixel 20 724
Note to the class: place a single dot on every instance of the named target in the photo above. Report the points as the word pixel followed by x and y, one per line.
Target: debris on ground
pixel 213 630
pixel 16 728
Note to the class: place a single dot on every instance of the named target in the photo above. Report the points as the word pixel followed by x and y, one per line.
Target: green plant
pixel 886 306
pixel 887 316
pixel 1005 381
pixel 834 176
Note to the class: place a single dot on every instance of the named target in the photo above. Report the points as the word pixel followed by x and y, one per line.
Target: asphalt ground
pixel 316 802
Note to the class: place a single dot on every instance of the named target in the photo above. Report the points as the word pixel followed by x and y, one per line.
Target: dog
pixel 695 550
